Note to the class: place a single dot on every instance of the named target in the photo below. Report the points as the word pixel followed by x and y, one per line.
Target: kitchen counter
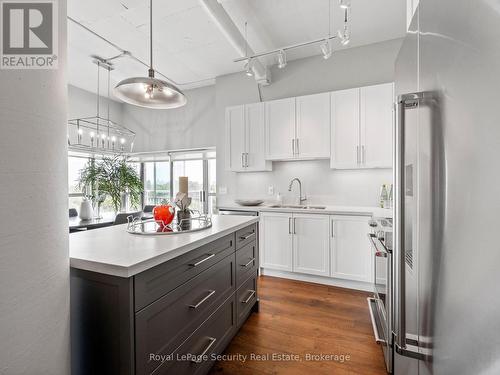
pixel 328 210
pixel 113 251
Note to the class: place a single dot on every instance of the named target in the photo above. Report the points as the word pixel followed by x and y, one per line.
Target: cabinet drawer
pixel 246 262
pixel 194 356
pixel 158 281
pixel 246 235
pixel 164 325
pixel 245 299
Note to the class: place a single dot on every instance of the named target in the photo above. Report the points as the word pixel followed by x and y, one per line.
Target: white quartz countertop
pixel 113 251
pixel 328 210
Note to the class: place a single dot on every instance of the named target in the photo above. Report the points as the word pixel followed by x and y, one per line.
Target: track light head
pixel 249 68
pixel 281 59
pixel 326 49
pixel 345 4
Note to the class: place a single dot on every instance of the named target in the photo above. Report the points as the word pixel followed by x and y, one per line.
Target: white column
pixel 34 263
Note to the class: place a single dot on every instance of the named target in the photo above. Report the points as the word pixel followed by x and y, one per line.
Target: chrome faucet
pixel 301 198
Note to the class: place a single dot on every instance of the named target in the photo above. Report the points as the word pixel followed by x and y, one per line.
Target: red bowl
pixel 164 213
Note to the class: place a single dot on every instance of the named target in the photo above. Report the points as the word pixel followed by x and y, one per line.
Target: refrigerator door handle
pixel 404 102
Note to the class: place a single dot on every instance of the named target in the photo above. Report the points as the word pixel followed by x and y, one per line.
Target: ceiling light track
pixel 325 44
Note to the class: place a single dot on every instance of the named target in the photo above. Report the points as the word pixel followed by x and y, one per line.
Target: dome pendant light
pixel 150 92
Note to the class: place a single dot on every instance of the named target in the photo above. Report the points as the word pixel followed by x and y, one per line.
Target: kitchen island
pixel 165 304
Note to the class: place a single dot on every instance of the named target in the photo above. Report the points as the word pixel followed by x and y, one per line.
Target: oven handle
pixel 371 303
pixel 379 251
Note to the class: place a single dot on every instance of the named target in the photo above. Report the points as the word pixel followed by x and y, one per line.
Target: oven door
pixel 379 305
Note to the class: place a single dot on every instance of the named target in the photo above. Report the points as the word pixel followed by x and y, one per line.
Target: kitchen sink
pixel 296 206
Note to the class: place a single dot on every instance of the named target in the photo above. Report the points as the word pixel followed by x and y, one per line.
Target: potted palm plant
pixel 114 178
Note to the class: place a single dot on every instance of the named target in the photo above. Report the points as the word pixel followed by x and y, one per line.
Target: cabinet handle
pixel 202 261
pixel 203 300
pixel 246 159
pixel 247 236
pixel 199 358
pixel 294 224
pixel 293 146
pixel 252 293
pixel 333 228
pixel 242 160
pixel 363 154
pixel 297 149
pixel 357 154
pixel 289 225
pixel 249 262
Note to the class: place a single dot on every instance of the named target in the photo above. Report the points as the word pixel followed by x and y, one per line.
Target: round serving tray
pixel 151 227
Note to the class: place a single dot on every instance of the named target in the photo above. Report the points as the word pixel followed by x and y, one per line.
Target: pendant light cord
pixel 151 71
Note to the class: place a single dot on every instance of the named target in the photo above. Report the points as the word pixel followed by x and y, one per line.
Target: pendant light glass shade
pixel 150 92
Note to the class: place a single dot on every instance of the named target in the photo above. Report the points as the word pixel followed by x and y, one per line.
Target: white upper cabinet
pixel 351 256
pixel 255 134
pixel 376 125
pixel 361 127
pixel 245 131
pixel 345 137
pixel 235 138
pixel 311 244
pixel 313 126
pixel 280 129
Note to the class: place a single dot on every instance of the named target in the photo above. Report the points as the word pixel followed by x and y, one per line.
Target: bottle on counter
pixel 384 196
pixel 391 196
pixel 279 199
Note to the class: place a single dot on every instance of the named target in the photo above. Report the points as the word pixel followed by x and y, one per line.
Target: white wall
pixel 353 67
pixel 34 260
pixel 190 126
pixel 82 103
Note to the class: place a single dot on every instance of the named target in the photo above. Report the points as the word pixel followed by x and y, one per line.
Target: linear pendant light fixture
pixel 150 92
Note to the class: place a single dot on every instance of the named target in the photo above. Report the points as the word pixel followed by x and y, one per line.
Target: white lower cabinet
pixel 276 241
pixel 350 250
pixel 315 244
pixel 311 244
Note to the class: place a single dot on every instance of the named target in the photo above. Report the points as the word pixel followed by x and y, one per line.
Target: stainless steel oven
pixel 380 238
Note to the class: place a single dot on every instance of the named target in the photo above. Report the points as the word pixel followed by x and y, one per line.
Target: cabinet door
pixel 376 125
pixel 235 138
pixel 345 147
pixel 311 244
pixel 313 126
pixel 255 135
pixel 276 241
pixel 350 251
pixel 280 129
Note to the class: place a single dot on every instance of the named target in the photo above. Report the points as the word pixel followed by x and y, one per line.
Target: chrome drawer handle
pixel 199 358
pixel 210 294
pixel 210 256
pixel 378 339
pixel 249 262
pixel 250 296
pixel 246 237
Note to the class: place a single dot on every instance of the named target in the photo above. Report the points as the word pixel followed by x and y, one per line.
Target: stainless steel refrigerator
pixel 446 259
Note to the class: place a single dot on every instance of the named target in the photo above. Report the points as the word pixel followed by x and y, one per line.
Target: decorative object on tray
pixel 164 214
pixel 249 202
pixel 183 201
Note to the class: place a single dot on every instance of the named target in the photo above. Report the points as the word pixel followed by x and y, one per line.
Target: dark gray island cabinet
pixel 173 318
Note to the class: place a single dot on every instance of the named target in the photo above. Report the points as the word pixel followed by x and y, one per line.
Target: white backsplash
pixel 321 184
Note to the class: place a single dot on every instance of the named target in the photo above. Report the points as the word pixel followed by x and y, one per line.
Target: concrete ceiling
pixel 191 50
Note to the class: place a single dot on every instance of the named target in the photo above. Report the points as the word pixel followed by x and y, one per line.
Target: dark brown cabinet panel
pixel 246 235
pixel 246 262
pixel 164 325
pixel 158 281
pixel 195 356
pixel 246 296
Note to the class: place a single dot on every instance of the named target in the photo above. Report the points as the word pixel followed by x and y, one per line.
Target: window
pixel 161 179
pixel 75 164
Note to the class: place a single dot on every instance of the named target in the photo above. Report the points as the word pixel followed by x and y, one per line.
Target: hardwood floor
pixel 302 318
